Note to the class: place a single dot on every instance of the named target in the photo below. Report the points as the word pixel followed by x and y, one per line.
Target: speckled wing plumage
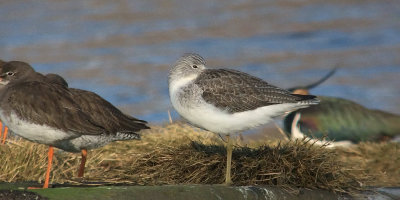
pixel 236 91
pixel 47 104
pixel 104 113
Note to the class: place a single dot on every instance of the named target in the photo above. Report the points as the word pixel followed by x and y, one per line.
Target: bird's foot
pixel 35 188
pixel 228 183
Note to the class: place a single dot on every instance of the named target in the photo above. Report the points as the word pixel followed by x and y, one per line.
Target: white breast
pixel 177 84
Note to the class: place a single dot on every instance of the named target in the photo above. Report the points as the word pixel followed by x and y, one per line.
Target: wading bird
pixel 44 110
pixel 3 135
pixel 227 101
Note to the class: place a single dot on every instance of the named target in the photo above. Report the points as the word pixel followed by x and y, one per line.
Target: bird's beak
pixel 2 81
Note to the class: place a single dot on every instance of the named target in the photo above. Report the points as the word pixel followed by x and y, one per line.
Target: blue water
pixel 122 50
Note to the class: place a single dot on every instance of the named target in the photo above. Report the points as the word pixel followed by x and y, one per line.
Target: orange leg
pixel 5 135
pixel 46 181
pixel 50 161
pixel 83 162
pixel 1 128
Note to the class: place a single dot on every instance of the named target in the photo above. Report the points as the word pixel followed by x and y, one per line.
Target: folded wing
pixel 236 91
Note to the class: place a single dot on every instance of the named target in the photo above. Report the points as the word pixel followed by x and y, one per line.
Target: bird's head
pixel 190 65
pixel 13 71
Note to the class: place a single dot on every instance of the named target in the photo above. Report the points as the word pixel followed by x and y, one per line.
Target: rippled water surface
pixel 122 50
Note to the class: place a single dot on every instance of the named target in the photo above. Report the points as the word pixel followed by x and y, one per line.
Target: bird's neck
pixel 295 129
pixel 176 84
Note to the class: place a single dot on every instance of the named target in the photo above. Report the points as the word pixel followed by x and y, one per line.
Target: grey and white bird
pixel 226 101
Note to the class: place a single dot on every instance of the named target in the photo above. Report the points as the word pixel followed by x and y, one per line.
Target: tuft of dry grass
pixel 291 164
pixel 180 154
pixel 378 161
pixel 26 161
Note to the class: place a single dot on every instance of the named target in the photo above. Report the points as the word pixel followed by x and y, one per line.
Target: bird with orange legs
pixel 43 109
pixel 3 135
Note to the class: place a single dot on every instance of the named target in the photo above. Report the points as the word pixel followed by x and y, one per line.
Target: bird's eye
pixel 10 73
pixel 194 66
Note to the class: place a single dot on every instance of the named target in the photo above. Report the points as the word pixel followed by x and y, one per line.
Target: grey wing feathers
pixel 43 103
pixel 236 91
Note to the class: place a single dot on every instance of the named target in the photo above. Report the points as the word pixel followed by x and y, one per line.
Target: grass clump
pixel 293 164
pixel 180 154
pixel 378 161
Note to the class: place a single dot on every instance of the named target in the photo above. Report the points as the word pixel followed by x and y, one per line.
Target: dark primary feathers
pixel 43 103
pixel 104 113
pixel 236 91
pixel 101 111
